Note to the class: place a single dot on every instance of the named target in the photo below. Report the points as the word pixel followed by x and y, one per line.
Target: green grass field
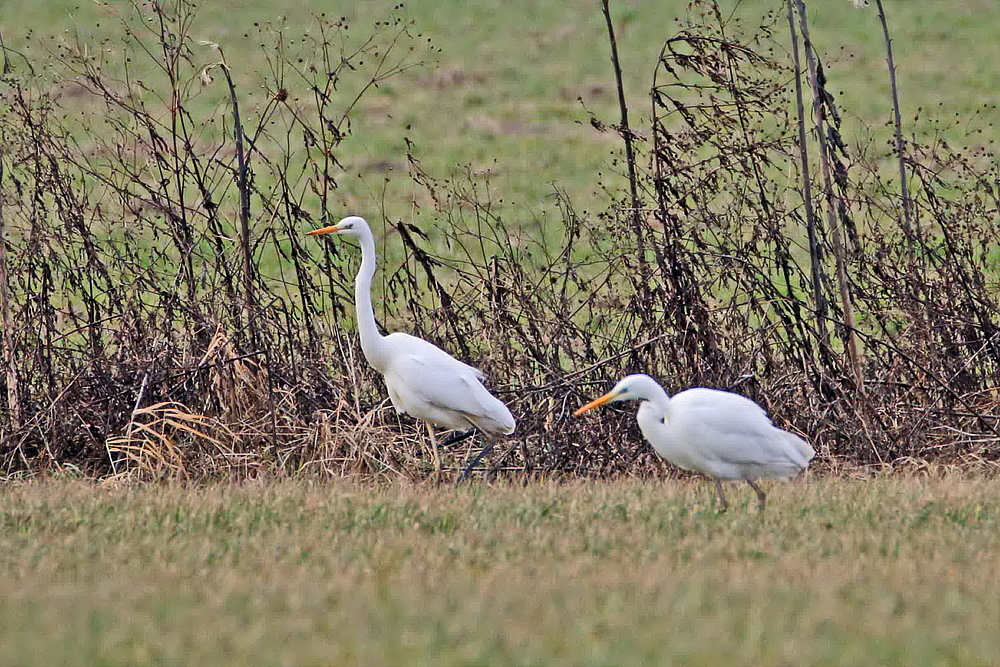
pixel 892 570
pixel 501 95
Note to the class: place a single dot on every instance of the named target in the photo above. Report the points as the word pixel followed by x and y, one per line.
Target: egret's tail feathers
pixel 497 419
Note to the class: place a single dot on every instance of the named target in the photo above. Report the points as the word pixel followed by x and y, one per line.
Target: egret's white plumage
pixel 719 434
pixel 426 382
pixel 423 380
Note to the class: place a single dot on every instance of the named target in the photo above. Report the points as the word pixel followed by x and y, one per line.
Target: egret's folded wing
pixel 438 378
pixel 733 429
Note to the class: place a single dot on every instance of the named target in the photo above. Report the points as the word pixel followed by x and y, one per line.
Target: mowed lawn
pixel 887 570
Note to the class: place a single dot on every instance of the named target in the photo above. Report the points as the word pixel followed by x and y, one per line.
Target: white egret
pixel 423 380
pixel 719 434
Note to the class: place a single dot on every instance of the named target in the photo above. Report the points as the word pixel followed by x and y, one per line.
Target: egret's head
pixel 350 226
pixel 636 387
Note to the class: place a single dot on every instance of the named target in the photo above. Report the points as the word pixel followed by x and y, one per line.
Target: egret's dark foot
pixel 723 503
pixel 475 461
pixel 761 496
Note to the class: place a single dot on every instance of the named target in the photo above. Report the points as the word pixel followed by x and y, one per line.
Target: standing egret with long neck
pixel 423 380
pixel 720 434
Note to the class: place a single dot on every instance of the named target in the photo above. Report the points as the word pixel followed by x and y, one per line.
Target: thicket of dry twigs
pixel 163 313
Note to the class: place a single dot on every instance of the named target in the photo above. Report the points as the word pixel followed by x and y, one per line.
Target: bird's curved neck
pixel 653 419
pixel 658 398
pixel 372 342
pixel 650 412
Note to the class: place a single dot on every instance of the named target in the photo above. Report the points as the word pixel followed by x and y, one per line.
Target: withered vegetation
pixel 164 315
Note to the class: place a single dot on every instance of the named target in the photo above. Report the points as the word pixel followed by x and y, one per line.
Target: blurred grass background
pixel 505 92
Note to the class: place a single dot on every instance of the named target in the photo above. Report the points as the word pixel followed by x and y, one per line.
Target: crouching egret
pixel 423 380
pixel 719 434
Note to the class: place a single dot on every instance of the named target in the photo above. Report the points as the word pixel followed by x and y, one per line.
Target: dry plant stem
pixel 131 423
pixel 819 117
pixel 242 176
pixel 171 48
pixel 270 399
pixel 7 67
pixel 815 251
pixel 13 405
pixel 626 134
pixel 904 188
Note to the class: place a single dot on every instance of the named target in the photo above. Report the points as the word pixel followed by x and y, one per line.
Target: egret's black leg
pixel 457 437
pixel 723 503
pixel 486 450
pixel 761 498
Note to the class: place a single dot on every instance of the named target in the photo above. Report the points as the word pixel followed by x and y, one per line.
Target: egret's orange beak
pixel 594 403
pixel 332 229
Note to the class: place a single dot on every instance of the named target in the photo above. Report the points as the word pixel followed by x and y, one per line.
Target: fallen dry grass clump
pixel 164 315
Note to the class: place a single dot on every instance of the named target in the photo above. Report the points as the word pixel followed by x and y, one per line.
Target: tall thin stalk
pixel 13 406
pixel 904 190
pixel 820 97
pixel 244 187
pixel 626 133
pixel 815 250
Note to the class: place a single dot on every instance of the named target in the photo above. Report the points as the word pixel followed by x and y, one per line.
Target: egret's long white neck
pixel 652 405
pixel 372 342
pixel 657 397
pixel 652 418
